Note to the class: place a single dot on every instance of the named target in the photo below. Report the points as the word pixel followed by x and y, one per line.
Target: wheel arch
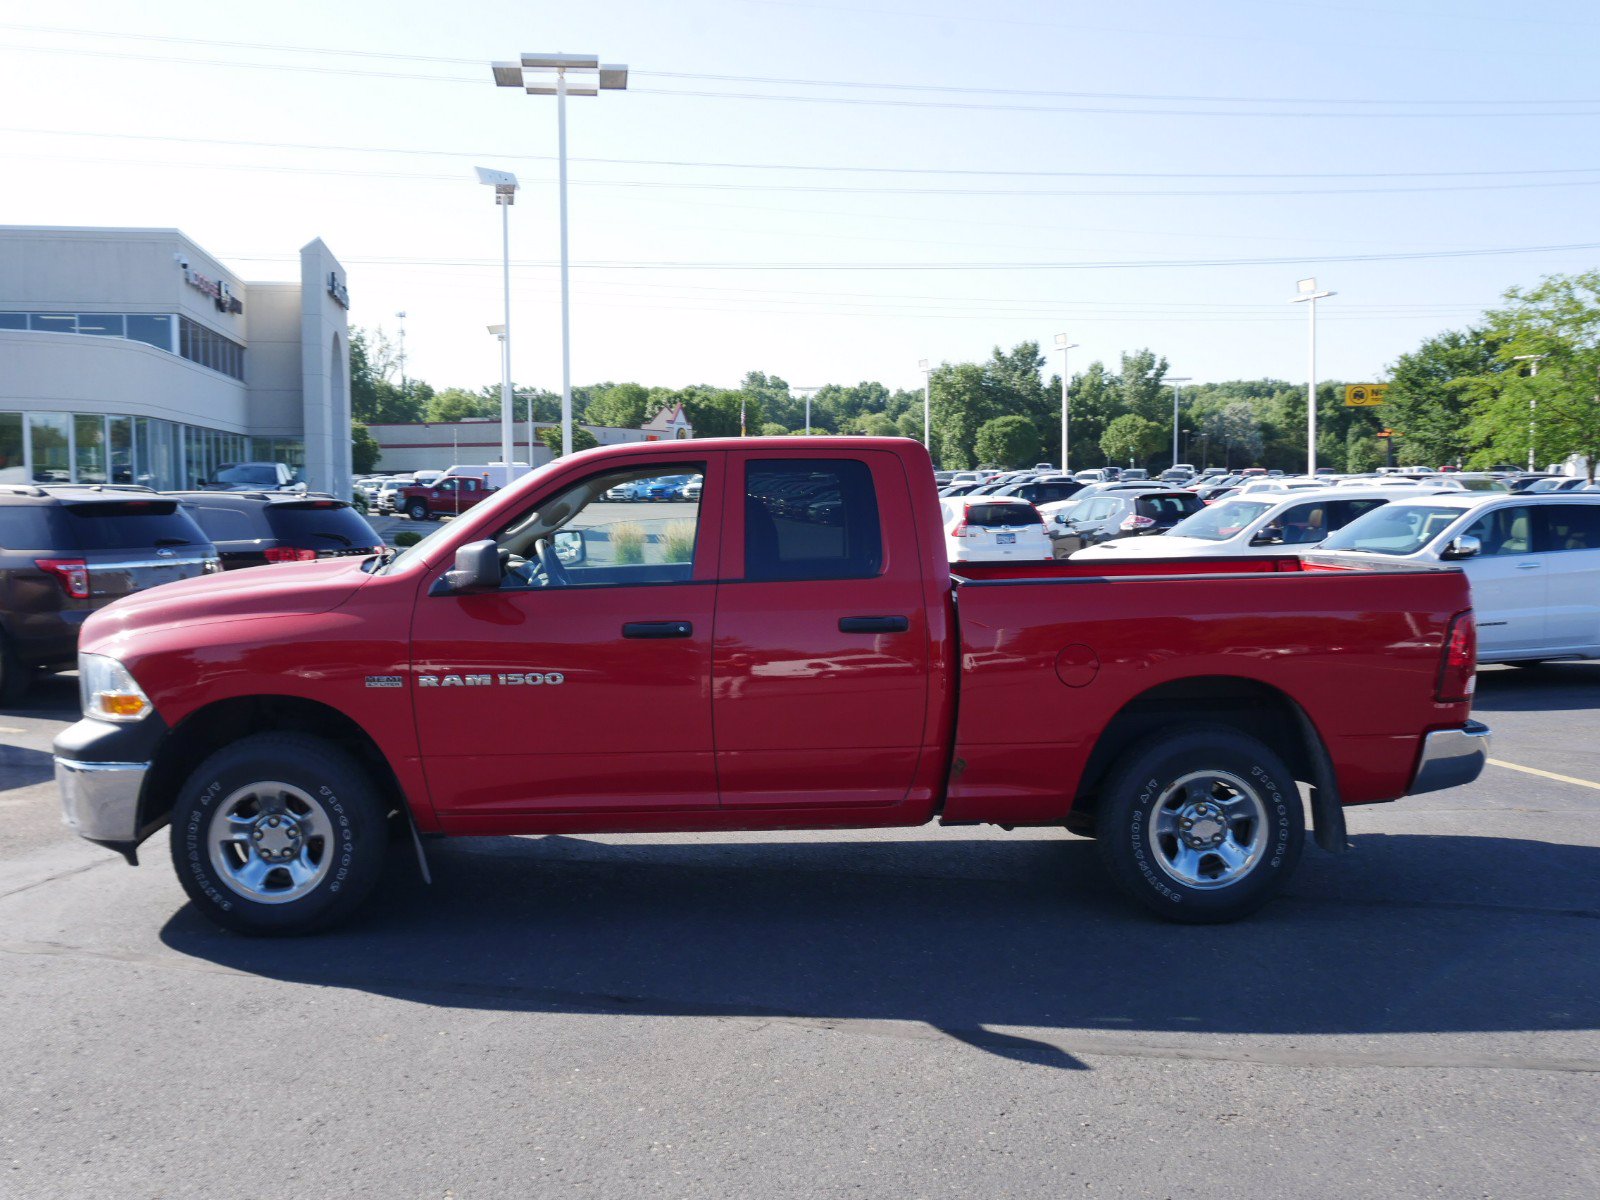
pixel 1254 708
pixel 222 722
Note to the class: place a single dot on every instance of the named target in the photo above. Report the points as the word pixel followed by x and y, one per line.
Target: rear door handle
pixel 1529 566
pixel 658 629
pixel 874 624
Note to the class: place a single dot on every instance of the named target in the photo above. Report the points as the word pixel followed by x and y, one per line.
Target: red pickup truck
pixel 788 650
pixel 447 497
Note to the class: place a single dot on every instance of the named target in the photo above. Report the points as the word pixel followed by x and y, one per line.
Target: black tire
pixel 417 510
pixel 1247 817
pixel 337 849
pixel 14 676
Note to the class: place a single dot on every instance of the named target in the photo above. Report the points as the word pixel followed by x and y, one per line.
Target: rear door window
pixel 1168 510
pixel 811 519
pixel 131 525
pixel 1569 527
pixel 320 526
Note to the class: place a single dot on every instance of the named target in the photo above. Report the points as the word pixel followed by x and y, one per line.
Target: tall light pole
pixel 505 195
pixel 1533 401
pixel 405 392
pixel 1175 380
pixel 1064 344
pixel 927 404
pixel 533 75
pixel 1309 294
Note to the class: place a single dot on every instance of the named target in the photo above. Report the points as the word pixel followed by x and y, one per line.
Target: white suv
pixel 1533 562
pixel 994 529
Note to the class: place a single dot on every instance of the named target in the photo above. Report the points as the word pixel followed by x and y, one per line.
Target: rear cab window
pixel 807 518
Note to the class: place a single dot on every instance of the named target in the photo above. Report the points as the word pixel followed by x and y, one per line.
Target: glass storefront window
pixel 101 324
pixel 89 447
pixel 51 438
pixel 13 320
pixel 153 331
pixel 53 322
pixel 13 466
pixel 121 430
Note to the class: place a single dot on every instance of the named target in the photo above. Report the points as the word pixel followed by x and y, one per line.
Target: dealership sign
pixel 337 289
pixel 220 293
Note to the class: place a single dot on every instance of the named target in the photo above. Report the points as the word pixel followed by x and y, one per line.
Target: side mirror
pixel 1464 546
pixel 477 569
pixel 570 547
pixel 1268 535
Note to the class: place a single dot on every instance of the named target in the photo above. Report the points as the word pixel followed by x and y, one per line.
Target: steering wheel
pixel 550 562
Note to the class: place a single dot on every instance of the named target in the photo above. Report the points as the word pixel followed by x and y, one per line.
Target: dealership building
pixel 133 356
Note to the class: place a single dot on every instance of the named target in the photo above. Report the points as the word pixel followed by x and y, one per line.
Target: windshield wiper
pixel 172 541
pixel 338 537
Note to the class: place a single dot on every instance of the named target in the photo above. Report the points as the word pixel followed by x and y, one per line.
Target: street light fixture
pixel 1533 400
pixel 1064 344
pixel 505 195
pixel 1309 294
pixel 927 404
pixel 1175 380
pixel 546 75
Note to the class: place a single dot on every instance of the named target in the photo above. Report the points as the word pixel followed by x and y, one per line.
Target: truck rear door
pixel 822 657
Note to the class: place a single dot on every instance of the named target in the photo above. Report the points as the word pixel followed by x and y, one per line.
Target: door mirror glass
pixel 571 547
pixel 1464 546
pixel 477 569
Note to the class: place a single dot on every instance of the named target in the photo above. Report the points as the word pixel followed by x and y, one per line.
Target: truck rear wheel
pixel 278 834
pixel 417 510
pixel 1200 824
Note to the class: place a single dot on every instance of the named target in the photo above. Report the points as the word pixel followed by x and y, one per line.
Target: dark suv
pixel 251 529
pixel 66 551
pixel 1120 514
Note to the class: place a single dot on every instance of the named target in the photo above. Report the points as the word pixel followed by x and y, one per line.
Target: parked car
pixel 255 477
pixel 1559 484
pixel 993 529
pixel 252 529
pixel 1043 491
pixel 472 685
pixel 1246 526
pixel 692 487
pixel 445 497
pixel 67 551
pixel 1533 562
pixel 1120 514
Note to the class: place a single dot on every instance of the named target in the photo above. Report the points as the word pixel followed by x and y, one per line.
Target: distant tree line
pixel 1461 397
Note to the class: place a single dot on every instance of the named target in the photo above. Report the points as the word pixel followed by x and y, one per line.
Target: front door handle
pixel 874 624
pixel 1528 566
pixel 657 629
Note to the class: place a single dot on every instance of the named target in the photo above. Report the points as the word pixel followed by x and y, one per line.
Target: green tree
pixel 364 449
pixel 963 400
pixel 1555 412
pixel 1141 389
pixel 1232 432
pixel 373 398
pixel 582 439
pixel 1130 438
pixel 1017 386
pixel 909 424
pixel 618 405
pixel 1008 441
pixel 875 424
pixel 1094 402
pixel 458 404
pixel 773 429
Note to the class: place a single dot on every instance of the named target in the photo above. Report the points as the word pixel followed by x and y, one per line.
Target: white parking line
pixel 1495 762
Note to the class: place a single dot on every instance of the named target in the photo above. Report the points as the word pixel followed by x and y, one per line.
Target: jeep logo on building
pixel 502 678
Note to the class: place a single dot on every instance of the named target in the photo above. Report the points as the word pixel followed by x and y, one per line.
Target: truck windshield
pixel 1395 529
pixel 1220 521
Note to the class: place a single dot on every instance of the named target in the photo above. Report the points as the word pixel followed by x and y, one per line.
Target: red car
pixel 556 663
pixel 447 497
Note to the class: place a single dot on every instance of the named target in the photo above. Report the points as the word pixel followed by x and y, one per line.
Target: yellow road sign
pixel 1364 395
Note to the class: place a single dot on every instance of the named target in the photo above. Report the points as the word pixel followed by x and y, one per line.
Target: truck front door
pixel 822 671
pixel 583 684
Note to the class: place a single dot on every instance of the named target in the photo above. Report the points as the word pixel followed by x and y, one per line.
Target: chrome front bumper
pixel 100 800
pixel 1451 757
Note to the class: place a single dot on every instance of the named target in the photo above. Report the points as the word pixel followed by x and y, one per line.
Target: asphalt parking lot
pixel 959 1012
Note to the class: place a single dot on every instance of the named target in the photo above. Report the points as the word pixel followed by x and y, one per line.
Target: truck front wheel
pixel 1201 824
pixel 278 834
pixel 417 510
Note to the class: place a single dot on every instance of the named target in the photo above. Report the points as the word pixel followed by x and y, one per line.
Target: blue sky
pixel 1016 169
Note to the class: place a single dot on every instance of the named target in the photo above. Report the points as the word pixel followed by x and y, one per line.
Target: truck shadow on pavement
pixel 1406 934
pixel 1548 687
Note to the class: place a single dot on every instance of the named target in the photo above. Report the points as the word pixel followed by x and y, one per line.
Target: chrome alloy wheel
pixel 271 842
pixel 1209 829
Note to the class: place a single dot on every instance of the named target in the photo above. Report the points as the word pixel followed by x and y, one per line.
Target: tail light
pixel 1459 663
pixel 288 554
pixel 71 573
pixel 961 531
pixel 1135 521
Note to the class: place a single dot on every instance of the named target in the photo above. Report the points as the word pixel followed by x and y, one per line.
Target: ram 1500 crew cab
pixel 788 650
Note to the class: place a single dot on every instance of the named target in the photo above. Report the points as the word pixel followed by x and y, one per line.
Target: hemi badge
pixel 385 681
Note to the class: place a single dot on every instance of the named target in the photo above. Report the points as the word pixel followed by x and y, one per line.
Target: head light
pixel 108 692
